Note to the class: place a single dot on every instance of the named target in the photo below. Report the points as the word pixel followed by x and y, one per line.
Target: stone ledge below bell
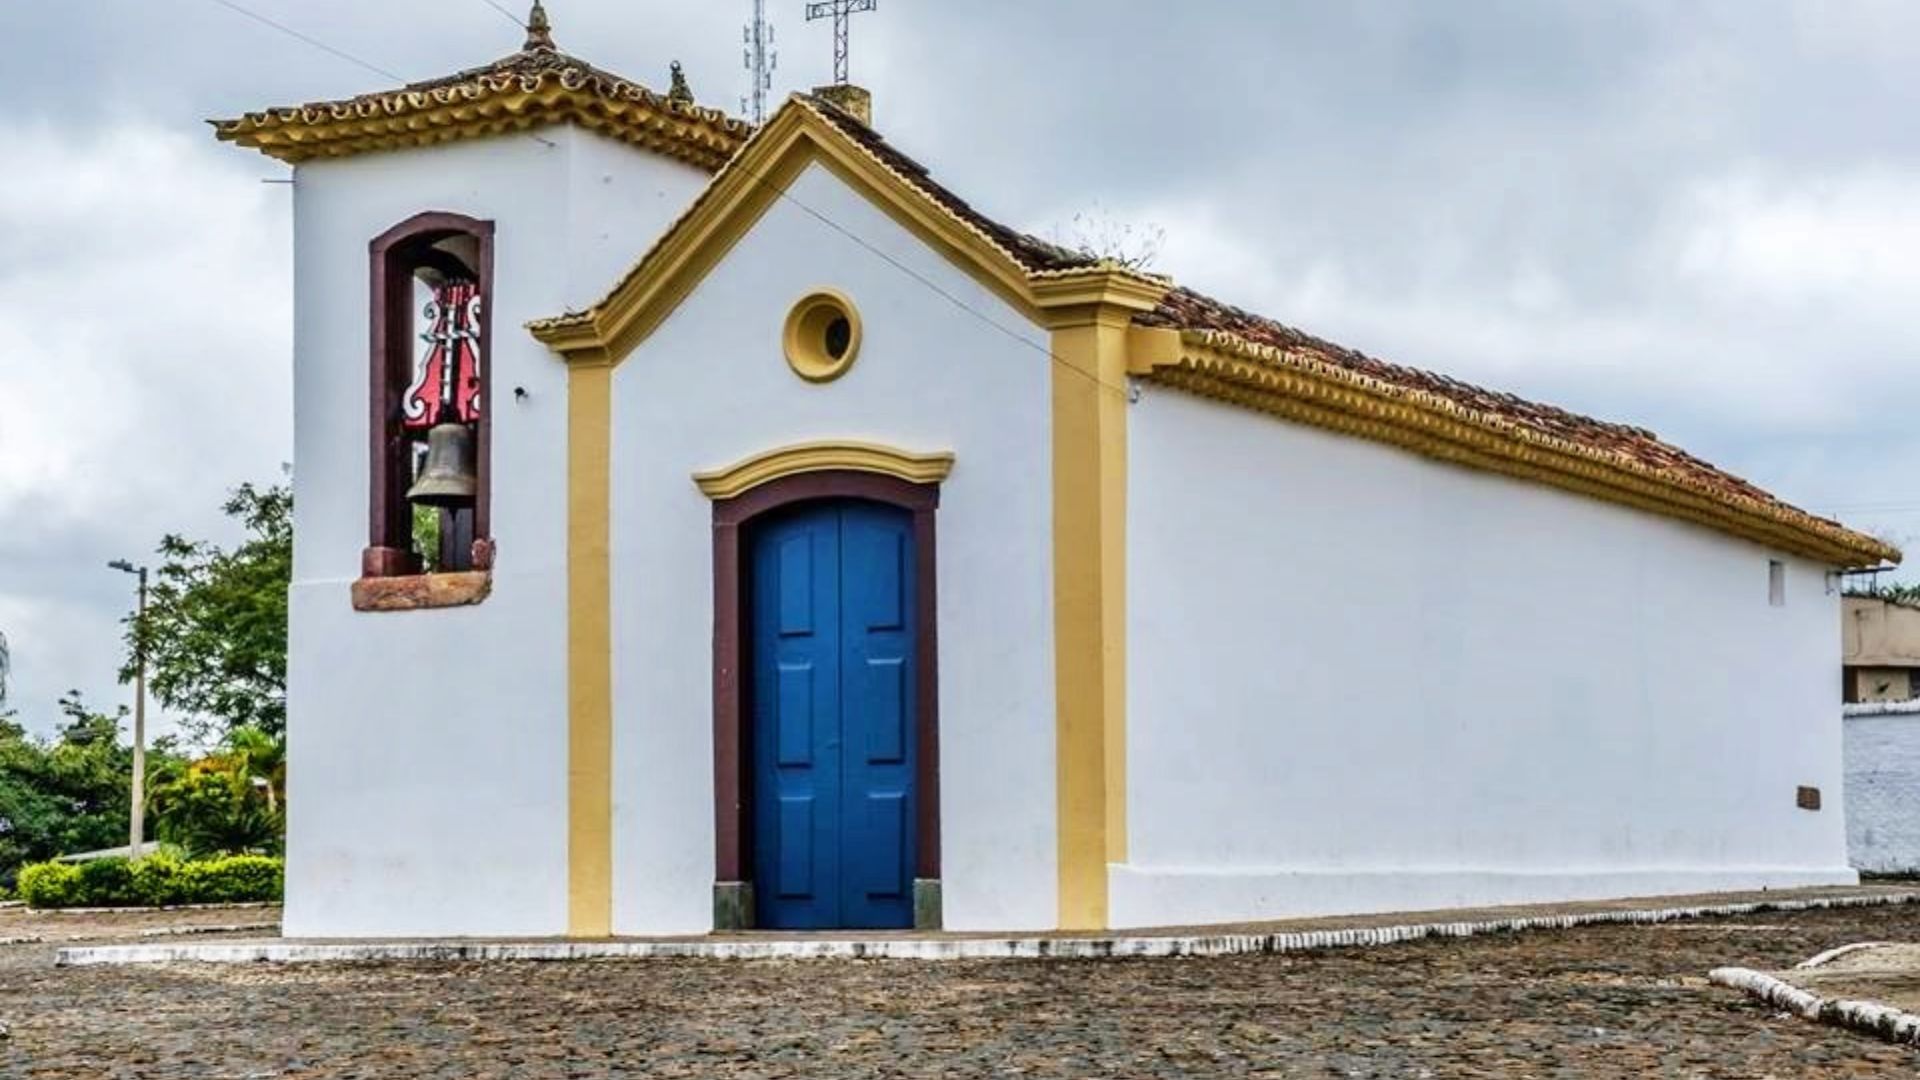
pixel 422 592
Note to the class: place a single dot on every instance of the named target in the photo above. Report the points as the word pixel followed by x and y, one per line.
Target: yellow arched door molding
pixel 810 457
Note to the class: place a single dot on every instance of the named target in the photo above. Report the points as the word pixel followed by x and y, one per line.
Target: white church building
pixel 702 526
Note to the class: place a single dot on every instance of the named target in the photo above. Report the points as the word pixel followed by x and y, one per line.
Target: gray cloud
pixel 1698 217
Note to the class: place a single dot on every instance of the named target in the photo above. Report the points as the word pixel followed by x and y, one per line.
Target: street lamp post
pixel 137 825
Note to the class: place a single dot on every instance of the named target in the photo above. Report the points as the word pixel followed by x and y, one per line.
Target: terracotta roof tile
pixel 538 85
pixel 1185 309
pixel 1636 451
pixel 1033 253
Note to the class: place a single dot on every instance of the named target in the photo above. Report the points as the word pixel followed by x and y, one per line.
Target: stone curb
pixel 250 906
pixel 1022 948
pixel 198 931
pixel 155 932
pixel 1869 1017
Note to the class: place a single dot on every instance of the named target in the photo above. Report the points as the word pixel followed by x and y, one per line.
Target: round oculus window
pixel 822 336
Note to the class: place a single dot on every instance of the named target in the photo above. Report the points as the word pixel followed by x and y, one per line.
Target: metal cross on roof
pixel 840 11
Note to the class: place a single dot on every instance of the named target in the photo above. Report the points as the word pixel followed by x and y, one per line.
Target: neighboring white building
pixel 1883 786
pixel 855 561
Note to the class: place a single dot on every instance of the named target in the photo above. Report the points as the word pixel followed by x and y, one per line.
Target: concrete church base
pixel 1148 897
pixel 1270 938
pixel 928 913
pixel 733 905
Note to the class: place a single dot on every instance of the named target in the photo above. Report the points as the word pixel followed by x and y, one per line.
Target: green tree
pixel 228 803
pixel 69 794
pixel 6 669
pixel 215 632
pixel 31 813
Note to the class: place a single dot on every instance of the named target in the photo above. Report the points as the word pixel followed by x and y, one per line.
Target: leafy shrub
pixel 229 803
pixel 156 880
pixel 50 885
pixel 161 880
pixel 105 883
pixel 237 879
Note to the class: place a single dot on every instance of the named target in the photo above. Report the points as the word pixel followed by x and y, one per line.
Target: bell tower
pixel 492 166
pixel 430 582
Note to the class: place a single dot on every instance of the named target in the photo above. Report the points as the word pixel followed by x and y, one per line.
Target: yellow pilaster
pixel 589 649
pixel 1090 317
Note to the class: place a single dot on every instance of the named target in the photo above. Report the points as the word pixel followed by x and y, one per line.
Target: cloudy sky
pixel 1702 217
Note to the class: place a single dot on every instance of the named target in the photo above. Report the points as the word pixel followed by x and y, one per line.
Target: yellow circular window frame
pixel 807 337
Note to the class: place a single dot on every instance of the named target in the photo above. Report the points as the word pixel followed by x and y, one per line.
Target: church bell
pixel 449 478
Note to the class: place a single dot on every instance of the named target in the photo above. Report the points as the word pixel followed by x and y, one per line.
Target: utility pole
pixel 137 826
pixel 762 60
pixel 841 12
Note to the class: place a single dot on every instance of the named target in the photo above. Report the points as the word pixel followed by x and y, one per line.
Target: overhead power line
pixel 313 41
pixel 930 285
pixel 919 278
pixel 342 53
pixel 508 15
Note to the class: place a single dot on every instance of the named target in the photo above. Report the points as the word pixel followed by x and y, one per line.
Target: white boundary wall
pixel 1360 680
pixel 1883 786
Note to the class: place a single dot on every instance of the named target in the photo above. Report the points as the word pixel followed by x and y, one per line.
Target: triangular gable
pixel 803 133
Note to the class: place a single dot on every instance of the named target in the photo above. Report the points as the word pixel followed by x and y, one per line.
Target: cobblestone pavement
pixel 1603 1001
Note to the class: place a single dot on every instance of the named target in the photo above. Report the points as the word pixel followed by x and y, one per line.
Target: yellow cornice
pixel 764 468
pixel 1308 390
pixel 798 136
pixel 1106 293
pixel 489 105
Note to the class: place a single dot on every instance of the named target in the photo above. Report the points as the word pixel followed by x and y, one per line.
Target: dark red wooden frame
pixel 394 255
pixel 732 780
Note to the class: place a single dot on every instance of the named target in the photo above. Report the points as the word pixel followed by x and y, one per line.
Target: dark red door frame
pixel 732 786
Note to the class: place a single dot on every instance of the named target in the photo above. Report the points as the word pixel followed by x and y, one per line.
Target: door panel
pixel 796 704
pixel 794 877
pixel 832 662
pixel 878 661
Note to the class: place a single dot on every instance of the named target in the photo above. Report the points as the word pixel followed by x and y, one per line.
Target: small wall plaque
pixel 1808 798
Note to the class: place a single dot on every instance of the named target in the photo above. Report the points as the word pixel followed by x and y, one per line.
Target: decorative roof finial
pixel 680 92
pixel 539 30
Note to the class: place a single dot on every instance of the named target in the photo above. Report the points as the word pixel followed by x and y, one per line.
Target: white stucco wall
pixel 427 750
pixel 1361 680
pixel 710 388
pixel 1883 786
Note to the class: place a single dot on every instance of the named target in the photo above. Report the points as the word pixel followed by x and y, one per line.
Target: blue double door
pixel 833 668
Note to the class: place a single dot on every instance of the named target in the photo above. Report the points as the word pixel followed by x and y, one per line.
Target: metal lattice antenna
pixel 841 12
pixel 762 61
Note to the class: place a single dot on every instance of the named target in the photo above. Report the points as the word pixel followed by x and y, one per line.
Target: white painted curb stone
pixel 1823 959
pixel 1022 948
pixel 1870 1017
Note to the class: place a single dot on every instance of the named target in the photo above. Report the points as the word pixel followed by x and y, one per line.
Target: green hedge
pixel 156 881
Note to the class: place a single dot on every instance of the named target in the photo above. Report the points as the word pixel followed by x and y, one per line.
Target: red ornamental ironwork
pixel 446 386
